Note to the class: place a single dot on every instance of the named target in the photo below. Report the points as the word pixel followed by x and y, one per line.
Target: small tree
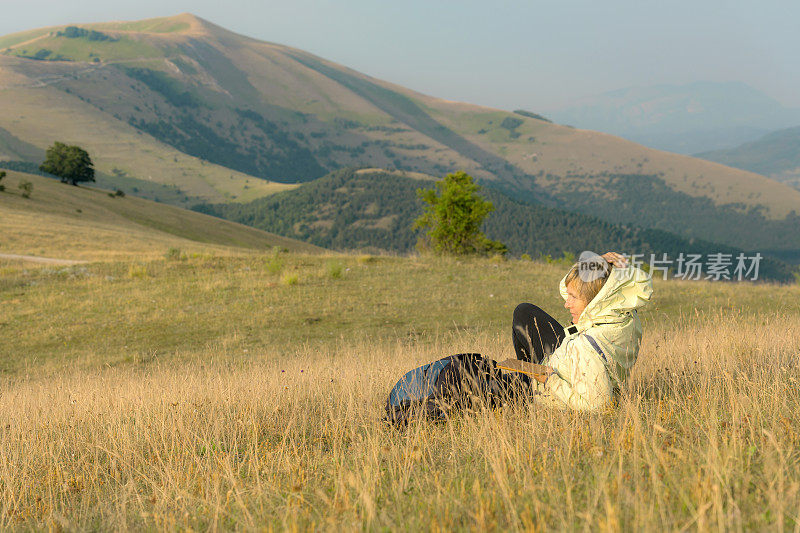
pixel 453 217
pixel 26 187
pixel 70 163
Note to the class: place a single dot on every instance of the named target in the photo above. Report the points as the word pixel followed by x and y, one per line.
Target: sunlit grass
pixel 206 393
pixel 62 221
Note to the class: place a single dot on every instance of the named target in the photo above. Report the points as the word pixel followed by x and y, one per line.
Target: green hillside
pixel 181 103
pixel 776 155
pixel 369 210
pixel 649 202
pixel 63 221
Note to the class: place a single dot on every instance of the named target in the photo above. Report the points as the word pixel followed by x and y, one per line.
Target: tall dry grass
pixel 705 437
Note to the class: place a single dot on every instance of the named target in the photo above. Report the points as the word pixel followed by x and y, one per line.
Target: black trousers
pixel 535 333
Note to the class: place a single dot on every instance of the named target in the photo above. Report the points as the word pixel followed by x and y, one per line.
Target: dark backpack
pixel 456 382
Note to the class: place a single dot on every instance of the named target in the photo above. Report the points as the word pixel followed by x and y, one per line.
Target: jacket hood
pixel 625 290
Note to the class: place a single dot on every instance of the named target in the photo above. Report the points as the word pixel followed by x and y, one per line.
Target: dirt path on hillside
pixel 43 260
pixel 82 68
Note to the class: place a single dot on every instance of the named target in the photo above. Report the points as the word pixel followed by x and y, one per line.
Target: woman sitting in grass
pixel 585 364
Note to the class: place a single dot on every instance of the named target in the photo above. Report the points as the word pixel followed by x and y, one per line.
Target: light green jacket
pixel 586 373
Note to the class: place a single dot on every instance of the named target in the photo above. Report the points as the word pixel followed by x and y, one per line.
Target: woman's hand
pixel 542 378
pixel 618 260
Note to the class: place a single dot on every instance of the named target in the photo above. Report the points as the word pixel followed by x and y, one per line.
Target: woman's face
pixel 574 303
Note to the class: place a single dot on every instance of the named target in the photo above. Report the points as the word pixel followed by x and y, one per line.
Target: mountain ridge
pixel 188 105
pixel 776 155
pixel 684 118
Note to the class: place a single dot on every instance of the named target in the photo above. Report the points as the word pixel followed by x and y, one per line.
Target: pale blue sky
pixel 533 55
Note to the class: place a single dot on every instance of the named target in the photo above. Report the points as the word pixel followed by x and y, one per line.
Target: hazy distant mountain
pixel 185 111
pixel 696 117
pixel 776 155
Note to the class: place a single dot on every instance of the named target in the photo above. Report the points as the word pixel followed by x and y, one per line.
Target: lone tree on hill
pixel 70 163
pixel 453 217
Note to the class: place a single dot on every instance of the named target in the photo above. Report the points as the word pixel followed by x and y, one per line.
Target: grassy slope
pixel 62 221
pixel 114 144
pixel 264 73
pixel 80 50
pixel 208 393
pixel 562 150
pixel 11 148
pixel 15 39
pixel 556 149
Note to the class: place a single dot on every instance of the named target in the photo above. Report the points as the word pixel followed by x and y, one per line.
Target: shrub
pixel 334 269
pixel 274 263
pixel 74 32
pixel 525 257
pixel 290 279
pixel 567 258
pixel 511 123
pixel 274 266
pixel 137 271
pixel 2 175
pixel 174 254
pixel 26 187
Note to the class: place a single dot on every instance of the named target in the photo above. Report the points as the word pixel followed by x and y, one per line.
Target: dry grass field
pixel 214 391
pixel 195 374
pixel 85 223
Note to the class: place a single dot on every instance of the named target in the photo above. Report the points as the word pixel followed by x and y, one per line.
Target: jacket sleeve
pixel 580 381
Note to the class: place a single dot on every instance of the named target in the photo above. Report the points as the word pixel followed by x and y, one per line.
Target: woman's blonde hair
pixel 587 290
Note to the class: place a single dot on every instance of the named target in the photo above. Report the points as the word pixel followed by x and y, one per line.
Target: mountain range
pixel 691 118
pixel 186 112
pixel 776 155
